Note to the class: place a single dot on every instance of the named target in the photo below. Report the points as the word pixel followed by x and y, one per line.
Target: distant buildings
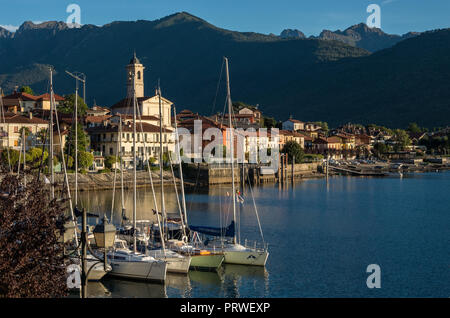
pixel 104 127
pixel 11 130
pixel 19 102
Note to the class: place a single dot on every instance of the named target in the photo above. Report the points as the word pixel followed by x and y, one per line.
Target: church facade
pixel 112 140
pixel 146 105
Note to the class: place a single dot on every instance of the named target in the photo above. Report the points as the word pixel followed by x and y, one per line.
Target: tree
pixel 26 89
pixel 401 139
pixel 83 140
pixel 69 161
pixel 110 161
pixel 68 105
pixel 13 158
pixel 85 159
pixel 34 156
pixel 31 258
pixel 380 148
pixel 293 149
pixel 322 124
pixel 269 122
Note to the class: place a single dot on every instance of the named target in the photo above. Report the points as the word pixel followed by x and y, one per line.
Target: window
pixel 111 151
pixel 16 129
pixel 139 75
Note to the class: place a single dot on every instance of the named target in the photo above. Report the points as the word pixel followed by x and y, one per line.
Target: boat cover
pixel 215 231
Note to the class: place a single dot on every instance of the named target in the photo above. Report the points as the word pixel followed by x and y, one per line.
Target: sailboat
pixel 176 263
pixel 234 252
pixel 98 270
pixel 173 235
pixel 128 263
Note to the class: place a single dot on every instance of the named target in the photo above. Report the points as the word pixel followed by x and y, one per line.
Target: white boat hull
pixel 176 263
pixel 238 254
pixel 149 271
pixel 246 257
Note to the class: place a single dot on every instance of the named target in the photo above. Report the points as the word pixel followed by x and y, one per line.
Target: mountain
pixel 360 35
pixel 5 33
pixel 311 79
pixel 292 34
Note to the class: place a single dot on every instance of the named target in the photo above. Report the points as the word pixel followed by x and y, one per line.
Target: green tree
pixel 322 124
pixel 85 159
pixel 26 89
pixel 269 122
pixel 13 157
pixel 68 105
pixel 414 128
pixel 379 149
pixel 111 160
pixel 69 161
pixel 401 139
pixel 293 149
pixel 83 140
pixel 34 156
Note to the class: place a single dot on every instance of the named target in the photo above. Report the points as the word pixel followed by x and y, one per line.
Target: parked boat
pixel 225 238
pixel 126 263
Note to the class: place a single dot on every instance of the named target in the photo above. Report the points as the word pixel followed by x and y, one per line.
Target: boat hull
pixel 207 262
pixel 148 271
pixel 176 263
pixel 256 258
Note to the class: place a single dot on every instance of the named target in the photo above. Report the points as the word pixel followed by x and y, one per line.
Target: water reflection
pixel 230 281
pixel 131 289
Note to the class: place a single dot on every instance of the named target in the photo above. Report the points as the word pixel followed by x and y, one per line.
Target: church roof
pixel 128 102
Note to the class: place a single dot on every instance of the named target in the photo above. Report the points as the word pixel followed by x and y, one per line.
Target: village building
pixel 286 135
pixel 107 135
pixel 97 111
pixel 11 127
pixel 293 125
pixel 253 111
pixel 24 102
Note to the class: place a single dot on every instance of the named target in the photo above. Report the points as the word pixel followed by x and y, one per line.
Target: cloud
pixel 9 27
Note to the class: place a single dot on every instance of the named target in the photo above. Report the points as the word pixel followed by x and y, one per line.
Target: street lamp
pixel 104 234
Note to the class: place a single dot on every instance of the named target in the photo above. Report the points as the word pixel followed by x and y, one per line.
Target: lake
pixel 321 236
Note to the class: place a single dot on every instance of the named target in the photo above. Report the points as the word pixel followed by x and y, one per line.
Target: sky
pixel 263 16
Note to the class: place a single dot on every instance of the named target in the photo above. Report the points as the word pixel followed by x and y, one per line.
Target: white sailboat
pixel 176 263
pixel 97 269
pixel 132 264
pixel 234 252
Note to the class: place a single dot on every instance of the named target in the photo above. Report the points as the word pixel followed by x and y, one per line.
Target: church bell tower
pixel 135 69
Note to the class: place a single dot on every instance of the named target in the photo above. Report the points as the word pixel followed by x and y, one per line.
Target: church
pixel 147 106
pixel 107 139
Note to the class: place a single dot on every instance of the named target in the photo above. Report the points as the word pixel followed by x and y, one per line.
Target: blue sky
pixel 264 16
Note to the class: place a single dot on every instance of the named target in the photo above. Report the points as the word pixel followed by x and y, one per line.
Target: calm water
pixel 321 239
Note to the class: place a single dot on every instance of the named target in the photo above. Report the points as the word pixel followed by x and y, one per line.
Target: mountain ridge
pixel 283 76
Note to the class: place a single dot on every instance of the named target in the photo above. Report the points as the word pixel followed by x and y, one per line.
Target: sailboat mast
pixel 121 165
pixel 50 129
pixel 231 146
pixel 163 206
pixel 134 165
pixel 177 143
pixel 76 143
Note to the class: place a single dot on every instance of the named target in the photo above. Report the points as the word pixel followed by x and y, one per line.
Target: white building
pixel 293 125
pixel 11 130
pixel 106 137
